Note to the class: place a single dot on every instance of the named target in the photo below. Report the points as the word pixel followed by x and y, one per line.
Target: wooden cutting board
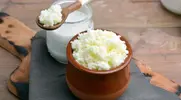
pixel 14 35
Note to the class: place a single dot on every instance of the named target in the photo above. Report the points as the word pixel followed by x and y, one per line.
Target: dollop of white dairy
pixel 99 50
pixel 51 16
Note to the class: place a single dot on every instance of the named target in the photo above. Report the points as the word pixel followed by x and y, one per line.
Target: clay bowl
pixel 97 85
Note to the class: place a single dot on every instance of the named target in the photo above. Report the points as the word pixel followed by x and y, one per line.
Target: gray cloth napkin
pixel 47 78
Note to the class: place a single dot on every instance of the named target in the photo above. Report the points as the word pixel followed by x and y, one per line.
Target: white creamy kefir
pixel 77 21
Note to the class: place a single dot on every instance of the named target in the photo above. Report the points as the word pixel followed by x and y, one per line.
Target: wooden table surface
pixel 155 33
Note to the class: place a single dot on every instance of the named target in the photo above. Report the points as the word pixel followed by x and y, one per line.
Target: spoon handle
pixel 74 6
pixel 83 2
pixel 78 4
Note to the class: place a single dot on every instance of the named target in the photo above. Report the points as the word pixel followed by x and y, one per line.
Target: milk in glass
pixel 78 21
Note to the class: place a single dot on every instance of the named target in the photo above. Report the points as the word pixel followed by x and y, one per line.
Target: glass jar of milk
pixel 77 21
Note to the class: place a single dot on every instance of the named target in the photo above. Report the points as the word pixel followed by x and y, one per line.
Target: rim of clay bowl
pixel 71 59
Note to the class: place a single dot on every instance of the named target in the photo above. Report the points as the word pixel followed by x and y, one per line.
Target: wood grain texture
pixel 5 71
pixel 13 36
pixel 154 32
pixel 7 59
pixel 145 0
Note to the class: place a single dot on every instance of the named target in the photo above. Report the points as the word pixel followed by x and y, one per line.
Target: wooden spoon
pixel 65 12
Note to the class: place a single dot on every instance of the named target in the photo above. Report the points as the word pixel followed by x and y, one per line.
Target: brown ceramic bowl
pixel 97 85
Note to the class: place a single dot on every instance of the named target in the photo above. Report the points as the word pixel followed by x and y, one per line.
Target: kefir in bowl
pixel 98 65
